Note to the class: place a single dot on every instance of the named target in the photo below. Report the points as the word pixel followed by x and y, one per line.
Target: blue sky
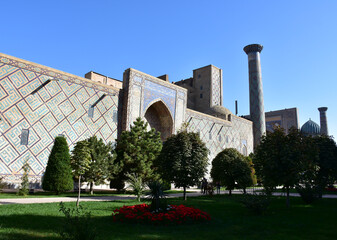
pixel 299 59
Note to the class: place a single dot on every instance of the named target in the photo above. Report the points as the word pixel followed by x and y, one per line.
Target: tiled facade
pixel 41 103
pixel 60 107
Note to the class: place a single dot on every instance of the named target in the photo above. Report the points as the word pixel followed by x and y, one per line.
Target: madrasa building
pixel 38 103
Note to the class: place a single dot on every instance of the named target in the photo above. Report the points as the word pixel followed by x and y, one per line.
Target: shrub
pixel 117 183
pixel 2 183
pixel 77 224
pixel 136 184
pixel 258 204
pixel 157 196
pixel 307 192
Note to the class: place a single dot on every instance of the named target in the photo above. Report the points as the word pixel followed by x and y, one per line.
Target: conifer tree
pixel 136 150
pixel 58 176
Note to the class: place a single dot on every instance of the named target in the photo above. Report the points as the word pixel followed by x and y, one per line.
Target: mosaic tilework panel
pixel 219 134
pixel 216 86
pixel 61 107
pixel 153 91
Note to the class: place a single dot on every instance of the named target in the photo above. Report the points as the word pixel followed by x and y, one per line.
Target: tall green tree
pixel 80 163
pixel 136 150
pixel 24 188
pixel 232 169
pixel 183 159
pixel 58 175
pixel 100 161
pixel 278 159
pixel 326 162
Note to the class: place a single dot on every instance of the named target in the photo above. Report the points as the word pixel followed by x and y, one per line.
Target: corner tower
pixel 256 91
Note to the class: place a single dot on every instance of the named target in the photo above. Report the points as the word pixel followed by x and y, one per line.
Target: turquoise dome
pixel 310 128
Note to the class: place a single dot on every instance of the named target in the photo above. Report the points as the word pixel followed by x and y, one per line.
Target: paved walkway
pixel 121 197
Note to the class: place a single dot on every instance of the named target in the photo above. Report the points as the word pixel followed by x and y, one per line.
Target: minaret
pixel 324 121
pixel 256 92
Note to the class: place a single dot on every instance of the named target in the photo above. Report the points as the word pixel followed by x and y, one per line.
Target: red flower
pixel 176 215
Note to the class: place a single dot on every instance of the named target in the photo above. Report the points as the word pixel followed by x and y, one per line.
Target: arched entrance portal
pixel 159 118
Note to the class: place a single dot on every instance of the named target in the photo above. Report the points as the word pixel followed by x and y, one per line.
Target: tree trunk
pixel 92 188
pixel 230 192
pixel 185 197
pixel 244 191
pixel 79 191
pixel 288 200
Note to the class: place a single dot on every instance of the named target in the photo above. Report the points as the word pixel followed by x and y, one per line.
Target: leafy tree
pixel 231 168
pixel 183 159
pixel 136 150
pixel 100 160
pixel 58 175
pixel 80 163
pixel 24 189
pixel 326 162
pixel 278 159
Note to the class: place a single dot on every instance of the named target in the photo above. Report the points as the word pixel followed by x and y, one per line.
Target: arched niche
pixel 159 117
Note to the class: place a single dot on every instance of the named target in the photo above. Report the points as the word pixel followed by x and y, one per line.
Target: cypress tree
pixel 58 175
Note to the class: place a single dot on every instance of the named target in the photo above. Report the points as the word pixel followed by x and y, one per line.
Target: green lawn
pixel 97 193
pixel 230 220
pixel 67 194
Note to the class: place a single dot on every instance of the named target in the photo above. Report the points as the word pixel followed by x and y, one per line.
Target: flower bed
pixel 173 215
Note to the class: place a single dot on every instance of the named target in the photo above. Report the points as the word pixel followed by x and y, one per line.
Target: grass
pixel 230 220
pixel 97 193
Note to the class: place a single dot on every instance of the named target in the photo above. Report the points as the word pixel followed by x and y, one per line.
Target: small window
pixel 201 87
pixel 24 137
pixel 91 111
pixel 200 95
pixel 227 139
pixel 199 76
pixel 199 132
pixel 210 136
pixel 115 116
pixel 220 138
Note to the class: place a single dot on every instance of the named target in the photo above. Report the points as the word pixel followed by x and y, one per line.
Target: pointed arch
pixel 159 117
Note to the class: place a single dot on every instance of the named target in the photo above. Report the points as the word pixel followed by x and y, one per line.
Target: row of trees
pixel 139 153
pixel 293 160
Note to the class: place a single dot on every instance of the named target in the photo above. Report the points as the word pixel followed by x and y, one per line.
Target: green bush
pixel 77 224
pixel 136 184
pixel 308 192
pixel 58 175
pixel 2 184
pixel 118 184
pixel 157 196
pixel 257 203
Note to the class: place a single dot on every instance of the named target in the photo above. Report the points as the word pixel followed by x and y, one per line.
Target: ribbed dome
pixel 310 128
pixel 220 112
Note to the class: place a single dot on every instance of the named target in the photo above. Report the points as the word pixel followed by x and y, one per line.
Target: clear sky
pixel 299 59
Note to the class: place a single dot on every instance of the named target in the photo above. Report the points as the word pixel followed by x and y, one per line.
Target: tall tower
pixel 324 121
pixel 256 91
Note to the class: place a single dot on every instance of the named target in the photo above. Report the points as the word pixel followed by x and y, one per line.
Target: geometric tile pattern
pixel 61 107
pixel 219 134
pixel 216 87
pixel 256 97
pixel 154 91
